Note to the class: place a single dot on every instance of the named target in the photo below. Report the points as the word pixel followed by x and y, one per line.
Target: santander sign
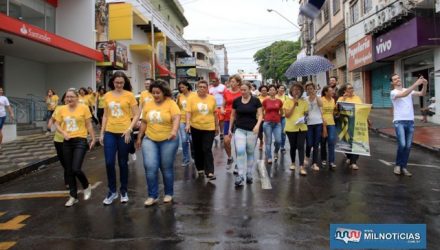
pixel 28 31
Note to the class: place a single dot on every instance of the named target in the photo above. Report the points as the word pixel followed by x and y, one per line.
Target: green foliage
pixel 274 60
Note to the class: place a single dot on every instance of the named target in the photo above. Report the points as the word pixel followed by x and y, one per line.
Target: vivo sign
pixel 384 46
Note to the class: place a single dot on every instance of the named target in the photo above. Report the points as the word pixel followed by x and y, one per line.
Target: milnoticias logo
pixel 34 34
pixel 348 235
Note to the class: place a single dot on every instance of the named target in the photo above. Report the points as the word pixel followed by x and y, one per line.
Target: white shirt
pixel 403 108
pixel 4 102
pixel 217 92
pixel 315 116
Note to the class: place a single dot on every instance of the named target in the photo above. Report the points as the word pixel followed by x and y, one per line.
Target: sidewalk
pixel 25 155
pixel 426 135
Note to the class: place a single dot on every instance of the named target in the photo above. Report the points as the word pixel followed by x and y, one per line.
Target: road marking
pixel 264 177
pixel 14 223
pixel 7 244
pixel 35 195
pixel 388 163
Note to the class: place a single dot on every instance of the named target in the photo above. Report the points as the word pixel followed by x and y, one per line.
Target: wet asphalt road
pixel 294 214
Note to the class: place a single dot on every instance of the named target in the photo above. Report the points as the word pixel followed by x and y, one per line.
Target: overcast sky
pixel 244 26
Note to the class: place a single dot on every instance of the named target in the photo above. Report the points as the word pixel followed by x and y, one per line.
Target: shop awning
pixel 164 71
pixel 22 32
pixel 142 49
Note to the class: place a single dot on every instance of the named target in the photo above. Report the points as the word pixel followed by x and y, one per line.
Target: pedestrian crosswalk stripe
pixel 388 163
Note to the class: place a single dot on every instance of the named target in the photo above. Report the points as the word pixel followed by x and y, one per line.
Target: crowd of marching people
pixel 237 112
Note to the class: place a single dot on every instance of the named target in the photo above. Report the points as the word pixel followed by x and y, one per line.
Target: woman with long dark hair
pixel 120 116
pixel 182 99
pixel 328 139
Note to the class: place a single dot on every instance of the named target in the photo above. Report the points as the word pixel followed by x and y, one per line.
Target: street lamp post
pixel 285 18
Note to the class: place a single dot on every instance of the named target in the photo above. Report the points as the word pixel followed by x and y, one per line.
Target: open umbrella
pixel 309 65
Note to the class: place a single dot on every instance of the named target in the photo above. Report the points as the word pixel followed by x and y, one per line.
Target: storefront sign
pixel 186 62
pixel 360 53
pixel 186 72
pixel 30 32
pixel 114 53
pixel 414 33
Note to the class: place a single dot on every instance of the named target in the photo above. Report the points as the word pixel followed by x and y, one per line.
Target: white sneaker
pixel 397 170
pixel 167 199
pixel 302 171
pixel 71 201
pixel 306 161
pixel 406 172
pixel 332 165
pixel 110 198
pixel 124 198
pixel 292 167
pixel 354 167
pixel 315 167
pixel 87 192
pixel 133 157
pixel 150 202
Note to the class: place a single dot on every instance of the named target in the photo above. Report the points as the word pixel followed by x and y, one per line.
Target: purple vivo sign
pixel 414 33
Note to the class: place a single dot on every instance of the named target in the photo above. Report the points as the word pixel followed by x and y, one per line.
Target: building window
pixel 354 12
pixel 159 7
pixel 37 12
pixel 367 6
pixel 336 6
pixel 325 12
pixel 3 6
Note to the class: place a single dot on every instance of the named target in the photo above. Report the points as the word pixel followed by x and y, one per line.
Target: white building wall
pixel 61 76
pixel 24 77
pixel 75 20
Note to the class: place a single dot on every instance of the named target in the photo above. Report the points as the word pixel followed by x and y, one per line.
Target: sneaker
pixel 306 161
pixel 167 199
pixel 150 201
pixel 124 198
pixel 230 161
pixel 283 150
pixel 133 157
pixel 397 170
pixel 201 173
pixel 315 167
pixel 332 165
pixel 347 161
pixel 71 202
pixel 110 198
pixel 303 171
pixel 324 163
pixel 211 176
pixel 238 181
pixel 269 161
pixel 185 165
pixel 235 172
pixel 87 192
pixel 292 167
pixel 406 172
pixel 354 166
pixel 249 179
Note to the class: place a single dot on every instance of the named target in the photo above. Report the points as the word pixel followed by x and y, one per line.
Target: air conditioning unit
pixel 366 28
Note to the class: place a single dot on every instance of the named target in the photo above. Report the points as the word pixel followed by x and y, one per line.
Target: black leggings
pixel 100 114
pixel 93 116
pixel 74 151
pixel 296 141
pixel 202 143
pixel 59 149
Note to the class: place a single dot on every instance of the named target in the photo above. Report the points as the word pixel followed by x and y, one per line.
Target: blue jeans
pixel 272 128
pixel 114 143
pixel 404 134
pixel 283 134
pixel 313 139
pixel 245 142
pixel 184 138
pixel 329 142
pixel 159 155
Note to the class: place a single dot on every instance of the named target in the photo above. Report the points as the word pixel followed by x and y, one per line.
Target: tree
pixel 275 59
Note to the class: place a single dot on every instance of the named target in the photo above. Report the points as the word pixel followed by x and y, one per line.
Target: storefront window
pixel 3 6
pixel 50 18
pixel 36 12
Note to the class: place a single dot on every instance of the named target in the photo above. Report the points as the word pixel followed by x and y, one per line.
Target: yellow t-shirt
pixel 262 98
pixel 328 108
pixel 182 102
pixel 74 123
pixel 58 137
pixel 159 119
pixel 90 100
pixel 353 99
pixel 283 99
pixel 100 102
pixel 85 100
pixel 119 111
pixel 202 112
pixel 52 102
pixel 300 111
pixel 146 96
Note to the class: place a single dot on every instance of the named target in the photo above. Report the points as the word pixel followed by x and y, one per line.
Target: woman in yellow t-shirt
pixel 185 92
pixel 328 111
pixel 203 124
pixel 349 96
pixel 73 122
pixel 296 111
pixel 160 123
pixel 283 97
pixel 100 104
pixel 264 94
pixel 51 102
pixel 120 116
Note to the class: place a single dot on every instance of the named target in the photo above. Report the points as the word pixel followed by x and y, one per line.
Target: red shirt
pixel 272 110
pixel 229 99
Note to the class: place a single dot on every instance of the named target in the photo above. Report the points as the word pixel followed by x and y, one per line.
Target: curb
pixel 420 145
